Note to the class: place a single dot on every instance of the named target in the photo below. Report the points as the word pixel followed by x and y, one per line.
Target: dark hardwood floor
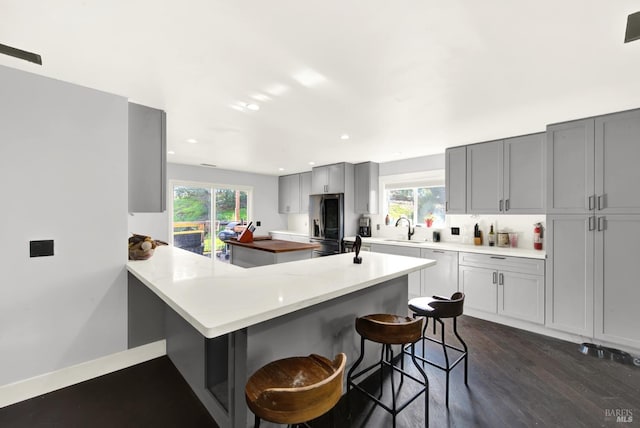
pixel 516 379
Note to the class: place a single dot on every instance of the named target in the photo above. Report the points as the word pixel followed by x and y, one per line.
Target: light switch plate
pixel 41 248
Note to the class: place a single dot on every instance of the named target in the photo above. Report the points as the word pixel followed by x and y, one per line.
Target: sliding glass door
pixel 206 214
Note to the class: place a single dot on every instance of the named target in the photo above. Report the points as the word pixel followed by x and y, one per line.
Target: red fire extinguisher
pixel 537 236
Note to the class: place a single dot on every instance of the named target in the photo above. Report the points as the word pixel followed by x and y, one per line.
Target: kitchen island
pixel 222 322
pixel 262 252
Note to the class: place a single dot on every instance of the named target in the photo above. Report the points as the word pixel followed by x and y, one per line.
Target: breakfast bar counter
pixel 222 322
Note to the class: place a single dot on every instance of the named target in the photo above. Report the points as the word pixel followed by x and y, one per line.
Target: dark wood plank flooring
pixel 516 379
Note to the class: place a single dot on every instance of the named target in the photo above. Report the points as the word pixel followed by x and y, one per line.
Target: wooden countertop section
pixel 275 245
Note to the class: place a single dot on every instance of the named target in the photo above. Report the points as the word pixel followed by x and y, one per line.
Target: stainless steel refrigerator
pixel 326 222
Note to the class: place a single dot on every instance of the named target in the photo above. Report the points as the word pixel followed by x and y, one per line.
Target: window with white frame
pixel 418 197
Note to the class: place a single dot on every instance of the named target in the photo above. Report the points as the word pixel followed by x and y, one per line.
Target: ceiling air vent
pixel 633 28
pixel 19 53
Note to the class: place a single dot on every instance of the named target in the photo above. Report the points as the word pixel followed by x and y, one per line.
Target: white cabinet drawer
pixel 504 263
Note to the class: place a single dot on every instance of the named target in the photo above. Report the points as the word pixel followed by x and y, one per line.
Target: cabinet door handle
pixel 498 258
pixel 438 251
pixel 601 224
pixel 600 204
pixel 500 205
pixel 446 206
pixel 592 202
pixel 495 277
pixel 506 205
pixel 592 223
pixel 501 279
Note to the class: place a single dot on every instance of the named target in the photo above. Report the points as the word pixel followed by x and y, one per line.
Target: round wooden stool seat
pixel 297 389
pixel 389 329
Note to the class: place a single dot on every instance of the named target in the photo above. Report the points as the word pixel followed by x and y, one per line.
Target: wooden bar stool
pixel 295 390
pixel 388 330
pixel 438 308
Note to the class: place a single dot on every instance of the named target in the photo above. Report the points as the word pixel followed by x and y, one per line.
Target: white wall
pixel 63 167
pixel 265 199
pixel 404 166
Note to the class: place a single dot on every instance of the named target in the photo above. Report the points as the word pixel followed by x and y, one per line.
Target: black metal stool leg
pixel 464 345
pixel 446 360
pixel 256 423
pixel 349 381
pixel 426 384
pixel 393 388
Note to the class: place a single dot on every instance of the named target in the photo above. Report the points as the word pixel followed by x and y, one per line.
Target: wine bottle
pixel 492 237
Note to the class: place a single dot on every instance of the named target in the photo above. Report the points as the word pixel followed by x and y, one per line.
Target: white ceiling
pixel 403 78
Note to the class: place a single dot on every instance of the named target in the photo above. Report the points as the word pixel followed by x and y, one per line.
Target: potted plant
pixel 429 219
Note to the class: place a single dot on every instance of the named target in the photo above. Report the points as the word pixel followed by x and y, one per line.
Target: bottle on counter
pixel 491 237
pixel 387 220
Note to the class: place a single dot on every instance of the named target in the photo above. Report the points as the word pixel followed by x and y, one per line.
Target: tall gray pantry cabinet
pixel 593 227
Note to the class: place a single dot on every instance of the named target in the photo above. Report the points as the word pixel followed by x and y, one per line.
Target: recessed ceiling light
pixel 253 107
pixel 192 140
pixel 280 169
pixel 312 163
pixel 344 137
pixel 260 97
pixel 171 152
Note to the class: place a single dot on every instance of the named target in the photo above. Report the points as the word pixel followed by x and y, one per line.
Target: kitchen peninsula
pixel 262 252
pixel 222 322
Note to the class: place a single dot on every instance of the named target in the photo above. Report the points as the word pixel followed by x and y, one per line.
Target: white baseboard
pixel 29 388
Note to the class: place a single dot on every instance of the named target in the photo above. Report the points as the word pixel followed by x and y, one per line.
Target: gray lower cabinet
pixel 570 275
pixel 508 286
pixel 399 250
pixel 147 159
pixel 442 278
pixel 592 276
pixel 456 180
pixel 617 269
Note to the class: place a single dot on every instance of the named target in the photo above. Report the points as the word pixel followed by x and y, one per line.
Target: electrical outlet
pixel 258 223
pixel 455 231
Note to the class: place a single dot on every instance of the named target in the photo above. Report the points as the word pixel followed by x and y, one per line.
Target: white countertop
pixel 217 298
pixel 454 246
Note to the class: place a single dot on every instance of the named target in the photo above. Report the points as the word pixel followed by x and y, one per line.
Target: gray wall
pixel 265 199
pixel 63 168
pixel 421 164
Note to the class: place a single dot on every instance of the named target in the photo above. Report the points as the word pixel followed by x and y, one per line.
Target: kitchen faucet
pixel 410 232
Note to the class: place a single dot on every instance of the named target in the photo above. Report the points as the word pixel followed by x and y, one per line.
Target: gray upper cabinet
pixel 328 179
pixel 289 194
pixel 593 165
pixel 366 188
pixel 305 191
pixel 293 193
pixel 506 176
pixel 570 167
pixel 524 174
pixel 484 177
pixel 617 152
pixel 456 180
pixel 147 159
